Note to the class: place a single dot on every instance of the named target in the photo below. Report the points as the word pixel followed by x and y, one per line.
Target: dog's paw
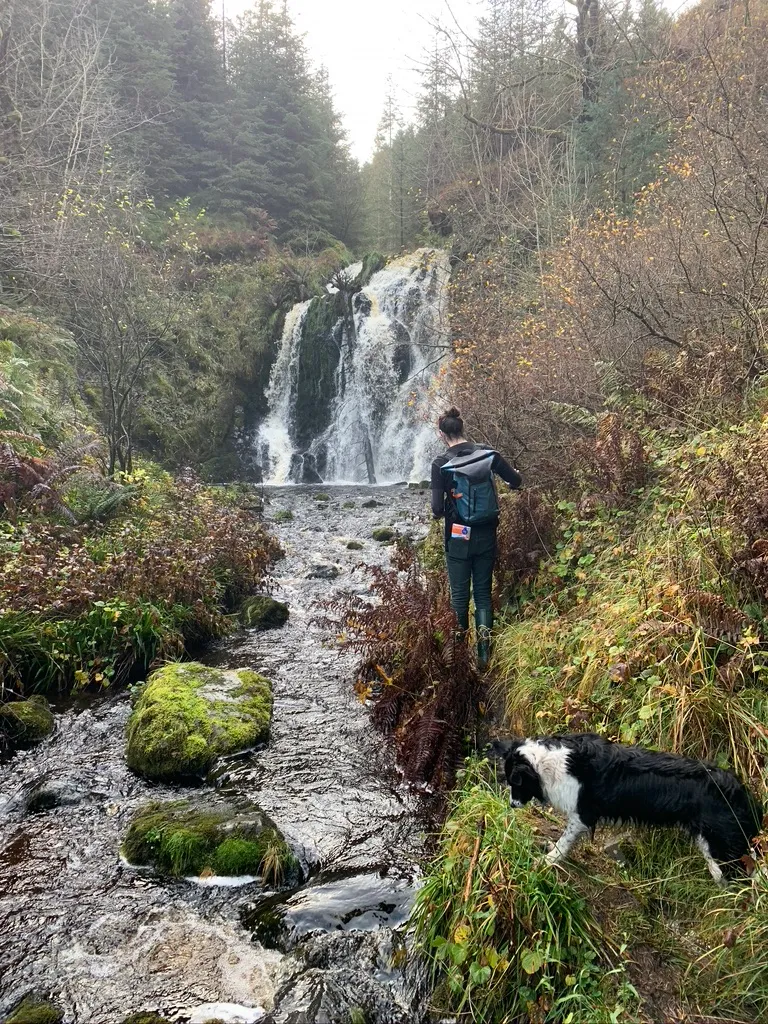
pixel 553 857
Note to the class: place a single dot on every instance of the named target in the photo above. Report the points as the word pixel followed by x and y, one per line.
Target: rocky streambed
pixel 104 939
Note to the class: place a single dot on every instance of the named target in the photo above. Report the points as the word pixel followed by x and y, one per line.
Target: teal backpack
pixel 472 487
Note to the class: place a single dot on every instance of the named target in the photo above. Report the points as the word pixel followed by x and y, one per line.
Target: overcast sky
pixel 361 42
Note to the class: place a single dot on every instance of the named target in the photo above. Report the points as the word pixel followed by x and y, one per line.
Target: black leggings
pixel 472 560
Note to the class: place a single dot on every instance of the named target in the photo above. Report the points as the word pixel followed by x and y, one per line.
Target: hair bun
pixel 453 412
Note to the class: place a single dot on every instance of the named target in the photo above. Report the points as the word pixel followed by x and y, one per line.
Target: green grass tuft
pixel 506 934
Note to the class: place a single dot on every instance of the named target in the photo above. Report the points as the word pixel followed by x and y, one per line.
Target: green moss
pixel 349 504
pixel 177 730
pixel 355 545
pixel 32 1010
pixel 180 839
pixel 284 516
pixel 145 1018
pixel 321 496
pixel 384 534
pixel 432 549
pixel 318 361
pixel 27 721
pixel 263 612
pixel 373 262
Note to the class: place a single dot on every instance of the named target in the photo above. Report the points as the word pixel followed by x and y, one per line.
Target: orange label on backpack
pixel 460 532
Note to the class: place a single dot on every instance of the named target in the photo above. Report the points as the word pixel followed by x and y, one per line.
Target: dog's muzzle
pixel 515 803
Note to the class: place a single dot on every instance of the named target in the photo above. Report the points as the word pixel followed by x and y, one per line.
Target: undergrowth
pixel 645 937
pixel 96 601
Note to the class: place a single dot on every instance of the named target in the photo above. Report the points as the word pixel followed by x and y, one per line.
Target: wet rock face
pixel 364 902
pixel 351 978
pixel 208 837
pixel 324 572
pixel 189 715
pixel 263 612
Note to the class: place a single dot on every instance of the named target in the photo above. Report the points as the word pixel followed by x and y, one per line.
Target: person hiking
pixel 464 494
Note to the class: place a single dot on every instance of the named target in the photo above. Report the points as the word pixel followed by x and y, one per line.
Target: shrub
pixel 98 602
pixel 422 682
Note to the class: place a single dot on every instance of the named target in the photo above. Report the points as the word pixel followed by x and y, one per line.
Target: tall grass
pixel 507 937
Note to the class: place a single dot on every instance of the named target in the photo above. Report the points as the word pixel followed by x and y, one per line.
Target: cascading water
pixel 340 392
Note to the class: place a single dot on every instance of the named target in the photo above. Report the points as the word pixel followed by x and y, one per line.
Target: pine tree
pixel 286 139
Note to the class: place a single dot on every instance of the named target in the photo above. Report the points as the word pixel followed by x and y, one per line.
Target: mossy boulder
pixel 384 534
pixel 349 504
pixel 24 722
pixel 188 715
pixel 284 516
pixel 354 545
pixel 321 496
pixel 33 1010
pixel 263 612
pixel 372 503
pixel 181 839
pixel 146 1018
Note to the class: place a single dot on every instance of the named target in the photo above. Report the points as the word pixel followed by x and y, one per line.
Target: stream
pixel 104 940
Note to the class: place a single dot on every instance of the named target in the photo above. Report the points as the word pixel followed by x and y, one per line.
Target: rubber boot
pixel 483 627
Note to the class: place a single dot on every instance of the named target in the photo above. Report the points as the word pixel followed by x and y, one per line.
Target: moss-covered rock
pixel 26 721
pixel 146 1018
pixel 373 262
pixel 263 612
pixel 372 503
pixel 354 545
pixel 284 516
pixel 187 715
pixel 321 496
pixel 384 534
pixel 349 504
pixel 181 839
pixel 33 1010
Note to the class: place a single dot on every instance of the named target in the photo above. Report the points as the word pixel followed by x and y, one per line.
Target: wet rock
pixel 208 838
pixel 226 1013
pixel 51 793
pixel 384 534
pixel 372 503
pixel 354 545
pixel 321 496
pixel 346 979
pixel 25 722
pixel 263 612
pixel 34 1010
pixel 352 903
pixel 323 572
pixel 348 504
pixel 188 715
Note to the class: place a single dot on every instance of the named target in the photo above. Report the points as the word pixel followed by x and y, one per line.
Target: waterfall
pixel 339 399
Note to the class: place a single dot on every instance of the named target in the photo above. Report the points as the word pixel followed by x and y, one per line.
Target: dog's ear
pixel 501 749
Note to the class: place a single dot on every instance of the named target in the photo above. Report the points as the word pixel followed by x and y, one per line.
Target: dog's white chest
pixel 560 787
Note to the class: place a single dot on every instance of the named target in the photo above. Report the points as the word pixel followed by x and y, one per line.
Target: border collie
pixel 594 781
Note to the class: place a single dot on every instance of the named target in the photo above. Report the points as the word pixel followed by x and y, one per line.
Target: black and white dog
pixel 594 781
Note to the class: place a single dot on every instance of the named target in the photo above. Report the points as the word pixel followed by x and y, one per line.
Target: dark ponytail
pixel 451 423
